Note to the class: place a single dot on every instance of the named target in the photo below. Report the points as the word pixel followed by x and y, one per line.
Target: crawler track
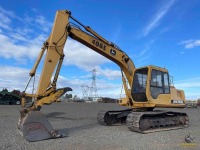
pixel 145 122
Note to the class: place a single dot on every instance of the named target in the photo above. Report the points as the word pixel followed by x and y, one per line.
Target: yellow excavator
pixel 146 88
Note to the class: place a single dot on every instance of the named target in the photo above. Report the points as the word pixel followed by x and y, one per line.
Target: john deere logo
pixel 113 52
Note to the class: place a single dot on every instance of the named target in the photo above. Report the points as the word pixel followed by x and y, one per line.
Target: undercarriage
pixel 145 122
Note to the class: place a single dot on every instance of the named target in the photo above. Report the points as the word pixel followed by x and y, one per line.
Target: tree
pixel 68 96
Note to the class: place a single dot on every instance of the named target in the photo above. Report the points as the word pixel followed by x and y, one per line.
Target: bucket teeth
pixel 35 127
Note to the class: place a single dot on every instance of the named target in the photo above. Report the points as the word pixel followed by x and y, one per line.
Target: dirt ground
pixel 78 121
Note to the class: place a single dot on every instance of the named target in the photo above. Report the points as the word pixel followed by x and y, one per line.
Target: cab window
pixel 159 83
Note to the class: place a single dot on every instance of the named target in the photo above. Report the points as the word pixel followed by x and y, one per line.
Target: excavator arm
pixel 54 45
pixel 46 90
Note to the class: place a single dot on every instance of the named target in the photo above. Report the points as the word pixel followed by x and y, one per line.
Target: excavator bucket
pixel 35 127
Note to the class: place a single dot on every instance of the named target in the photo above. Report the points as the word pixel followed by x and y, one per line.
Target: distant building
pixel 191 104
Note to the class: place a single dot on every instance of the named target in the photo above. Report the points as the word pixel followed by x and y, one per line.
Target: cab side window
pixel 159 83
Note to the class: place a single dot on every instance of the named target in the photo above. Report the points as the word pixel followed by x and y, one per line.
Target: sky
pixel 164 33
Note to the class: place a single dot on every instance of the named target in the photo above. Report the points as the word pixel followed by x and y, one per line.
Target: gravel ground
pixel 78 122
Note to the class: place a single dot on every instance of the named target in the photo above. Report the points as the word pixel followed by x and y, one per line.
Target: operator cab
pixel 154 78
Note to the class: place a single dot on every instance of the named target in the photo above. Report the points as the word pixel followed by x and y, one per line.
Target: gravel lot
pixel 78 121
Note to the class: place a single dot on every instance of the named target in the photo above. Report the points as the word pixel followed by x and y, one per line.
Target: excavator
pixel 146 88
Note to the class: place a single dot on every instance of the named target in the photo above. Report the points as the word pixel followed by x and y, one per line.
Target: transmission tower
pixel 85 90
pixel 93 88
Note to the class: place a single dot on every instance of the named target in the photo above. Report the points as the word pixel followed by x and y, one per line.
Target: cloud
pixel 29 50
pixel 81 56
pixel 191 87
pixel 42 23
pixel 7 13
pixel 23 42
pixel 9 20
pixel 189 83
pixel 109 73
pixel 5 18
pixel 13 77
pixel 103 88
pixel 85 58
pixel 22 49
pixel 144 54
pixel 188 44
pixel 17 77
pixel 164 30
pixel 157 17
